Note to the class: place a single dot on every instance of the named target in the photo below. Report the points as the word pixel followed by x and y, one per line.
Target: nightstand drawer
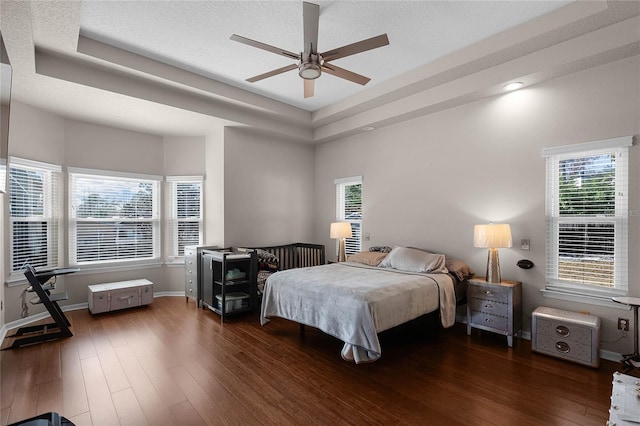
pixel 494 322
pixel 489 306
pixel 489 292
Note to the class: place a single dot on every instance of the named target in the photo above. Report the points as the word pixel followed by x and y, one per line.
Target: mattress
pixel 355 302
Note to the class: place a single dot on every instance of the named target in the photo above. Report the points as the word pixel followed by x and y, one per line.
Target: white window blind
pixel 349 209
pixel 113 217
pixel 184 213
pixel 587 217
pixel 34 214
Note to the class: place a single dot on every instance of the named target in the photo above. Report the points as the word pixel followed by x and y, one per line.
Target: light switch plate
pixel 524 244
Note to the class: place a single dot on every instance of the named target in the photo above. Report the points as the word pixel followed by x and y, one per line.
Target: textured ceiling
pixel 169 68
pixel 194 35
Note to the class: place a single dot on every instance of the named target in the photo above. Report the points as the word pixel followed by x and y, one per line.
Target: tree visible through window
pixel 113 218
pixel 185 213
pixel 349 209
pixel 33 214
pixel 587 217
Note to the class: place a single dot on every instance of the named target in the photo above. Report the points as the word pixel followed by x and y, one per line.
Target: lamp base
pixel 342 255
pixel 493 267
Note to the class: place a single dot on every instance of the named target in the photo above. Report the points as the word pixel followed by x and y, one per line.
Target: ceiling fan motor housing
pixel 310 67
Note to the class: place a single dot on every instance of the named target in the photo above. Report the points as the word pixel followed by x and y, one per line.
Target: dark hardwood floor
pixel 170 363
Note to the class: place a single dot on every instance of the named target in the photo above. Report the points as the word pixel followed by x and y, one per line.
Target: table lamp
pixel 492 236
pixel 340 230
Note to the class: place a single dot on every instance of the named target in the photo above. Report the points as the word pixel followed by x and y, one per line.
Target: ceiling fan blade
pixel 310 16
pixel 346 74
pixel 272 73
pixel 309 86
pixel 357 47
pixel 264 46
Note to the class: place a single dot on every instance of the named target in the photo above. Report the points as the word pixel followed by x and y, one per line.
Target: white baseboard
pixel 169 294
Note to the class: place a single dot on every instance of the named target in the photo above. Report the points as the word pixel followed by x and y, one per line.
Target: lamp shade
pixel 492 235
pixel 340 230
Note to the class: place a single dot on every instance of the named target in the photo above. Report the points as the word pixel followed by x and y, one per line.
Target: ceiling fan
pixel 311 64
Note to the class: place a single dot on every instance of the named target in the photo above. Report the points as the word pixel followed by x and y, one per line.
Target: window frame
pixel 173 238
pixel 354 243
pixel 155 221
pixel 571 290
pixel 51 201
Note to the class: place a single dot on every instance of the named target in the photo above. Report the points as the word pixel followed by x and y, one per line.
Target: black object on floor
pixel 46 419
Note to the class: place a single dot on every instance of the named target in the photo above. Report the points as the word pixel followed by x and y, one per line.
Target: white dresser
pixel 119 295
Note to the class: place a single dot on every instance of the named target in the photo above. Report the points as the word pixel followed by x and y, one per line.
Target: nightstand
pixel 495 307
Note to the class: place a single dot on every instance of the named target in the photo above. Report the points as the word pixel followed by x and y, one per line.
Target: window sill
pixel 599 300
pixel 18 279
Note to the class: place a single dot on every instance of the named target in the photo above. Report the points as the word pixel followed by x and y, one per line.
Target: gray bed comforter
pixel 355 302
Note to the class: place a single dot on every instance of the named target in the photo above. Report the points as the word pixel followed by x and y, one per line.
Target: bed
pixel 370 293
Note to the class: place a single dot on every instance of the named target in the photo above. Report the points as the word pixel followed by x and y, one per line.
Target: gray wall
pixel 268 190
pixel 429 180
pixel 258 190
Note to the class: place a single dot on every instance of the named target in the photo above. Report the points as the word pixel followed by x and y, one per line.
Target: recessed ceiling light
pixel 513 86
pixel 368 128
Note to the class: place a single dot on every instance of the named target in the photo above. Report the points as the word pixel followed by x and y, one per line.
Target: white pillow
pixel 414 260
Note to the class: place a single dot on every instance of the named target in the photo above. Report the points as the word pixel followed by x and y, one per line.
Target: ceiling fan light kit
pixel 311 64
pixel 310 70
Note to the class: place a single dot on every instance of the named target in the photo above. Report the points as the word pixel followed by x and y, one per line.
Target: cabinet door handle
pixel 563 331
pixel 488 292
pixel 488 320
pixel 488 306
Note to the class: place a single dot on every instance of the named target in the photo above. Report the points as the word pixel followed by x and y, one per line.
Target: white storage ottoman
pixel 119 295
pixel 568 335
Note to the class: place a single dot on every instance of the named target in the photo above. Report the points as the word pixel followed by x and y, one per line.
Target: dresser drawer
pixel 494 322
pixel 489 292
pixel 562 348
pixel 489 306
pixel 564 331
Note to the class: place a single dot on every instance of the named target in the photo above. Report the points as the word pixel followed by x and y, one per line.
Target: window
pixel 113 217
pixel 349 208
pixel 34 218
pixel 185 213
pixel 587 215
